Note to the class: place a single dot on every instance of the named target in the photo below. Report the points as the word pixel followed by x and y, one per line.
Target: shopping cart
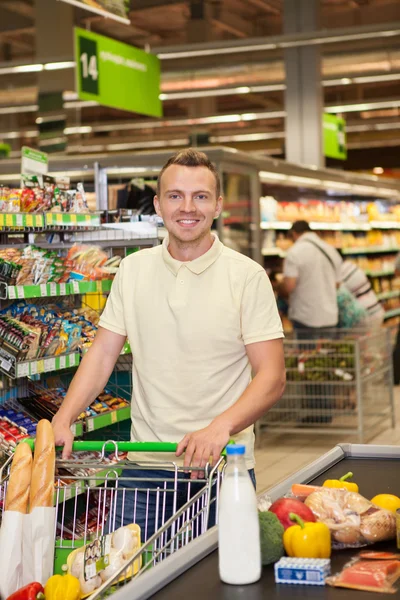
pixel 94 496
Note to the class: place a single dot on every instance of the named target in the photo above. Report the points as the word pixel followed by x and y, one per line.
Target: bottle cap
pixel 235 449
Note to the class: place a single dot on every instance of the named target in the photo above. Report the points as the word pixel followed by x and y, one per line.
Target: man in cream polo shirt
pixel 200 319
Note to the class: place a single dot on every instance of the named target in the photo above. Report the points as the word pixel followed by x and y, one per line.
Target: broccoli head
pixel 271 537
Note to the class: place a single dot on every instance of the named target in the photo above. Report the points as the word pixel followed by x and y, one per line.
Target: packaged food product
pixel 302 571
pixel 368 575
pixel 352 519
pixel 101 559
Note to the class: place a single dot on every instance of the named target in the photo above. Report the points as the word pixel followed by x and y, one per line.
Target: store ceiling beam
pixel 19 7
pixel 148 4
pixel 227 21
pixel 270 6
pixel 11 21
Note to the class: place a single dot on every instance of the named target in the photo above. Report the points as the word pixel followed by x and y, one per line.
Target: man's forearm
pixel 261 394
pixel 89 381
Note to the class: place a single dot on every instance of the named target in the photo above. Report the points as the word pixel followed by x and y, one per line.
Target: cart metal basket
pixel 95 496
pixel 341 382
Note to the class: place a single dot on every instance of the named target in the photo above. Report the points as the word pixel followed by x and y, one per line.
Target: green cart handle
pixel 93 446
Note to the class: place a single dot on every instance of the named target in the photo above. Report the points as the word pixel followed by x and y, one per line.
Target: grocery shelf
pixel 9 365
pixel 87 287
pixel 385 224
pixel 332 226
pixel 109 418
pixel 21 220
pixel 371 250
pixel 48 220
pixel 318 226
pixel 388 295
pixel 72 219
pixel 389 314
pixel 273 252
pixel 77 428
pixel 126 349
pixel 45 290
pixel 383 273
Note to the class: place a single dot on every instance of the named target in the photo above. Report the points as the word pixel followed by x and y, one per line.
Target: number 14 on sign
pixel 89 66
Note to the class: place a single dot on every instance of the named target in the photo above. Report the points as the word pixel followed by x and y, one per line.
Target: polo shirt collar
pixel 196 266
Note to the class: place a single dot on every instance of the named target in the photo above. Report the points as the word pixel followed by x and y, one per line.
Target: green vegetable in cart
pixel 271 537
pixel 32 591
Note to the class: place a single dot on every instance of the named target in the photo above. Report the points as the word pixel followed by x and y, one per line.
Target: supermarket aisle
pixel 281 455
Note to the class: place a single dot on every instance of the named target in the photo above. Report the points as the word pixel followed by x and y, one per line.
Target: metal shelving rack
pixel 15 376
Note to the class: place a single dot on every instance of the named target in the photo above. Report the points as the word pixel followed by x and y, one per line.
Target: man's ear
pixel 156 203
pixel 218 208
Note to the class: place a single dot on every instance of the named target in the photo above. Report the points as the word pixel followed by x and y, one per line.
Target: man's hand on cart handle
pixel 203 446
pixel 63 436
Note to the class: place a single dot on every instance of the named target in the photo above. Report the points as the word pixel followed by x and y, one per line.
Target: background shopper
pixel 311 276
pixel 200 319
pixel 355 280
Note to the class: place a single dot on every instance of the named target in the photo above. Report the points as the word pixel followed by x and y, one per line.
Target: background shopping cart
pixel 100 489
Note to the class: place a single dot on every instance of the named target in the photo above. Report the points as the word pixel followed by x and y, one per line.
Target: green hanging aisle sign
pixel 334 131
pixel 117 75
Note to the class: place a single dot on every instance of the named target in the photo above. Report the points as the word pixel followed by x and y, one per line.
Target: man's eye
pixel 174 196
pixel 201 197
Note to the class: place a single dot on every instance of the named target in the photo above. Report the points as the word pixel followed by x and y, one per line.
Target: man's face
pixel 188 202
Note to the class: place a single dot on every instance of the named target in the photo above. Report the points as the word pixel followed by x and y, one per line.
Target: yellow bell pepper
pixel 307 540
pixel 62 587
pixel 387 501
pixel 342 483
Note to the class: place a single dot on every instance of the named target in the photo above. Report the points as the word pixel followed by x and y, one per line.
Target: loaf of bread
pixel 17 496
pixel 42 483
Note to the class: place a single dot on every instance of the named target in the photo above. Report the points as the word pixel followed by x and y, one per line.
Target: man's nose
pixel 188 205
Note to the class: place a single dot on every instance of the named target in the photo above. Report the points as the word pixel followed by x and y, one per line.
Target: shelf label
pixel 90 424
pixel 33 367
pixel 53 289
pixel 63 362
pixel 33 161
pixel 20 291
pixel 73 428
pixel 11 292
pixel 19 220
pixel 9 221
pixel 59 218
pixel 5 364
pixel 29 220
pixel 49 365
pixel 63 289
pixel 75 287
pixel 40 366
pixel 73 218
pixel 23 370
pixel 114 417
pixel 43 289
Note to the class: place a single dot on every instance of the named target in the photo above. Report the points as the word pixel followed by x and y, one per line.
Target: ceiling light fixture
pixel 10 110
pixel 57 66
pixel 364 106
pixel 313 38
pixel 76 130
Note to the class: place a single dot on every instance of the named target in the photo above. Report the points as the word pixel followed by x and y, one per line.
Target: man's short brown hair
pixel 191 158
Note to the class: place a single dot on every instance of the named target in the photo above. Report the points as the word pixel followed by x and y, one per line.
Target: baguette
pixel 42 483
pixel 17 495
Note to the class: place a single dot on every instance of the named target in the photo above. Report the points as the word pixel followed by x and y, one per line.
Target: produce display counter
pixel 193 571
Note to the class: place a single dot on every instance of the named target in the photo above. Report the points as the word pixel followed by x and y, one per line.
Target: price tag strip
pixel 14 369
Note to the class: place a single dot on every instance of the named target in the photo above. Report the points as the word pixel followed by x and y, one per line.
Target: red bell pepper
pixel 33 591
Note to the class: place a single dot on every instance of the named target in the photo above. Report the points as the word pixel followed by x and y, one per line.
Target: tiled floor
pixel 280 455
